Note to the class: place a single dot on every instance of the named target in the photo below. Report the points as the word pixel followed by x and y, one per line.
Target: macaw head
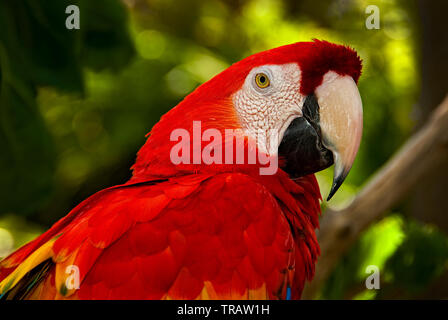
pixel 306 93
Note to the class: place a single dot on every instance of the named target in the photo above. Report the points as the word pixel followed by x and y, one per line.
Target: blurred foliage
pixel 374 248
pixel 408 254
pixel 75 105
pixel 419 260
pixel 15 231
pixel 36 50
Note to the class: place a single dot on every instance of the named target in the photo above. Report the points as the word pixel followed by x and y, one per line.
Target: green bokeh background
pixel 75 106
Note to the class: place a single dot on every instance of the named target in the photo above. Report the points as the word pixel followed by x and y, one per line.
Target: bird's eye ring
pixel 262 80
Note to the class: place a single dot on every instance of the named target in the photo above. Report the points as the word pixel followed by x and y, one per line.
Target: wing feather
pixel 205 237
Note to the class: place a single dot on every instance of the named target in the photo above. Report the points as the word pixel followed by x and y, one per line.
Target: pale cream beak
pixel 340 110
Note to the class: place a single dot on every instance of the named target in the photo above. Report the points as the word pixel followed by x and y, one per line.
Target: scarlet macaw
pixel 220 230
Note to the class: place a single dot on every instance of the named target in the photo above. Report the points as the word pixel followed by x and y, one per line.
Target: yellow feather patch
pixel 37 257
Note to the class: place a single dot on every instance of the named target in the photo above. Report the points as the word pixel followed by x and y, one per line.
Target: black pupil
pixel 262 79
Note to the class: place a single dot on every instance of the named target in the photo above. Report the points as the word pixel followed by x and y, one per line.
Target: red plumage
pixel 191 231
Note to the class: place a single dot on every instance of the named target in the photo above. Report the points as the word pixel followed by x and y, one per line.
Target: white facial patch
pixel 266 112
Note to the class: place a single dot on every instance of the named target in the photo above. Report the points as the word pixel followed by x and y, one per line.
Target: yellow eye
pixel 262 80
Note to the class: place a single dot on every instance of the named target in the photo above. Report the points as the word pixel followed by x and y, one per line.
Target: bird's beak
pixel 329 131
pixel 341 124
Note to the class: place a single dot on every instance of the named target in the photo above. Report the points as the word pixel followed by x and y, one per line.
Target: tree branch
pixel 340 229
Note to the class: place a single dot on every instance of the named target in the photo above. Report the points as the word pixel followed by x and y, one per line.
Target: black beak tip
pixel 337 182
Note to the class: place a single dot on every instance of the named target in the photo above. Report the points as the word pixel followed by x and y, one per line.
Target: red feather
pixel 192 231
